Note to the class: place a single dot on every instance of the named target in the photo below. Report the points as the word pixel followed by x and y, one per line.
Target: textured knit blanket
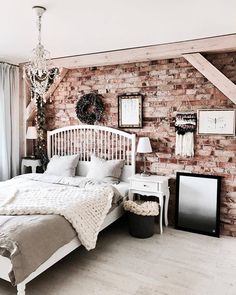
pixel 85 208
pixel 144 208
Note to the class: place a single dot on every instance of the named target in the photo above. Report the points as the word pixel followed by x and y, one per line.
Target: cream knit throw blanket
pixel 85 209
pixel 145 208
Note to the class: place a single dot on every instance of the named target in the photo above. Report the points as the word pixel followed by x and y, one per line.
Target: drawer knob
pixel 144 185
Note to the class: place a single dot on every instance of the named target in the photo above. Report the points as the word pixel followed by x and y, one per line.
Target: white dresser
pixel 153 185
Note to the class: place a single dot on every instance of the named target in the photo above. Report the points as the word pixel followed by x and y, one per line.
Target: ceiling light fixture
pixel 39 70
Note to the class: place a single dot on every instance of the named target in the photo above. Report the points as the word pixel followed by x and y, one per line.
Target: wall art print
pixel 130 108
pixel 216 122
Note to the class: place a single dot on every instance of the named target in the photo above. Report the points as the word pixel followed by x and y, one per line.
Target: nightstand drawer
pixel 145 186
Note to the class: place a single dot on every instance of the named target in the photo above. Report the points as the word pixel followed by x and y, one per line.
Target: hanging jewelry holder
pixel 185 126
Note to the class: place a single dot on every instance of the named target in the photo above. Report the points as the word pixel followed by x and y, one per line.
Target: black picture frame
pixel 128 98
pixel 193 215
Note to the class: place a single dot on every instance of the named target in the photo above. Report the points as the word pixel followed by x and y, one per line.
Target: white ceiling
pixel 73 27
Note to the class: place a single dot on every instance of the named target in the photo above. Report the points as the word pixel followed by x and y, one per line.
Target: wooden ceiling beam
pixel 30 112
pixel 57 81
pixel 224 43
pixel 31 108
pixel 218 79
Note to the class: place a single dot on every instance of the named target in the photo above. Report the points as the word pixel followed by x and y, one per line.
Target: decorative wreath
pixel 89 108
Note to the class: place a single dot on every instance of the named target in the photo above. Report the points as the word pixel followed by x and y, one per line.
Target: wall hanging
pixel 185 126
pixel 198 203
pixel 130 108
pixel 216 122
pixel 89 108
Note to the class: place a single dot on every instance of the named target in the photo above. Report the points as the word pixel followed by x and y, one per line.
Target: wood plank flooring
pixel 175 263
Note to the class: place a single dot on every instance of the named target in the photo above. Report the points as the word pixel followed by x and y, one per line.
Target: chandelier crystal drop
pixel 39 71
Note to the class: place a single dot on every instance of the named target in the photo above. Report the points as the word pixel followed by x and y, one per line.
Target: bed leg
pixel 21 289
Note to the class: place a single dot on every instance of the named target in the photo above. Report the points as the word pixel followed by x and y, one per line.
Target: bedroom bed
pixel 85 141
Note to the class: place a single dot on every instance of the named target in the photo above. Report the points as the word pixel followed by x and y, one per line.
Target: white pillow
pixel 100 168
pixel 62 165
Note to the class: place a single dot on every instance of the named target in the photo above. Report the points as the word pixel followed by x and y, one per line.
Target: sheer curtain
pixel 9 121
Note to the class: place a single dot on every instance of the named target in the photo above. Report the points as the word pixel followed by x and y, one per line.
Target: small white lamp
pixel 32 134
pixel 144 147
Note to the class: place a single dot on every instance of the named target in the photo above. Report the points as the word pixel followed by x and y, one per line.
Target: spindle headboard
pixel 85 140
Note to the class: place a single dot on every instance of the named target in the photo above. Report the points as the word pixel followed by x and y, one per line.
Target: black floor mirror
pixel 198 203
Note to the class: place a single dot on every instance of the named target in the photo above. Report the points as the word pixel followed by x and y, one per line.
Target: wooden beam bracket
pixel 218 79
pixel 31 108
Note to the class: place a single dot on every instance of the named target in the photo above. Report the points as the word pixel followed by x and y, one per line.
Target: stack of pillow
pixel 99 169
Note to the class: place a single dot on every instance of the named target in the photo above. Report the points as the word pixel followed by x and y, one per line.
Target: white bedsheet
pixel 122 187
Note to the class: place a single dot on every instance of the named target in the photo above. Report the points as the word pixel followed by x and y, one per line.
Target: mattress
pixel 29 240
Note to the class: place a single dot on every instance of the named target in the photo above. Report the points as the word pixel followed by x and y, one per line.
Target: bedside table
pixel 30 162
pixel 153 185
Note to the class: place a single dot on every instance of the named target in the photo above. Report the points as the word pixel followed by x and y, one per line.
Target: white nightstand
pixel 152 186
pixel 30 162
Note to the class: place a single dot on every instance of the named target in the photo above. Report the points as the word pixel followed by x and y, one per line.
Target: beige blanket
pixel 28 241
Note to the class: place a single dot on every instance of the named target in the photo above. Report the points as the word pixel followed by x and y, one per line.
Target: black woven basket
pixel 140 226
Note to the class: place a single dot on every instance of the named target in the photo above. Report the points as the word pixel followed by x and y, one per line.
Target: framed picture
pixel 216 122
pixel 198 203
pixel 130 107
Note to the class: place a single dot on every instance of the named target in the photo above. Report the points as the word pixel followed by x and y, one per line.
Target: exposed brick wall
pixel 165 85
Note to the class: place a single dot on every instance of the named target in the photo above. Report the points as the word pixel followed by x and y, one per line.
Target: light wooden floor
pixel 176 263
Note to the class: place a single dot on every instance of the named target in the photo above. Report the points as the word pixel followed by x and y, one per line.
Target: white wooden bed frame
pixel 83 140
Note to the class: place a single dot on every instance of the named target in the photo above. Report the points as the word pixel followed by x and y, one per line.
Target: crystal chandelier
pixel 39 70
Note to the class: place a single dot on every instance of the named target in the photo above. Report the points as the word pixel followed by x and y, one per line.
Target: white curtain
pixel 9 121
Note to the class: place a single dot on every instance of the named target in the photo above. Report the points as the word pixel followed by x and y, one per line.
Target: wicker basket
pixel 141 217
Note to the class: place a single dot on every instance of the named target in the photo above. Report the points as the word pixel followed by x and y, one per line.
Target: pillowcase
pixel 102 169
pixel 62 165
